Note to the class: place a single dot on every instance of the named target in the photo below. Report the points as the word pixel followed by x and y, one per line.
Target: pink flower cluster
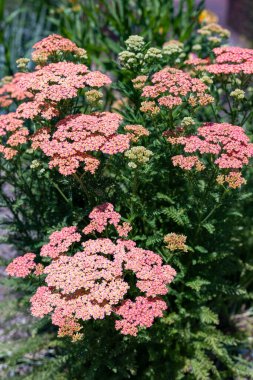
pixel 171 87
pixel 78 135
pixel 60 241
pixel 51 45
pixel 53 84
pixel 12 134
pixel 91 283
pixel 140 313
pixel 103 215
pixel 228 143
pixel 228 60
pixel 22 266
pixel 11 91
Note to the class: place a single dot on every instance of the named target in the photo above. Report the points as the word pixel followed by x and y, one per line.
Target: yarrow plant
pixel 164 135
pixel 91 283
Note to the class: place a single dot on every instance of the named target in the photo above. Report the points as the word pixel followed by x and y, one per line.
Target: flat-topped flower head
pixel 91 283
pixel 60 241
pixel 22 266
pixel 140 313
pixel 135 132
pixel 228 60
pixel 175 242
pixel 53 84
pixel 228 143
pixel 103 215
pixel 77 136
pixel 172 88
pixel 55 44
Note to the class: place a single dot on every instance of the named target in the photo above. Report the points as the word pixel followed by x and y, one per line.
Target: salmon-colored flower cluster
pixel 135 132
pixel 228 143
pixel 22 266
pixel 53 84
pixel 10 90
pixel 60 241
pixel 103 215
pixel 13 133
pixel 228 60
pixel 233 179
pixel 54 44
pixel 139 313
pixel 78 135
pixel 91 283
pixel 172 87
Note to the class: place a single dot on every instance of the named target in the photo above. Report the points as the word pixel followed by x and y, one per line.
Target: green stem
pixel 60 191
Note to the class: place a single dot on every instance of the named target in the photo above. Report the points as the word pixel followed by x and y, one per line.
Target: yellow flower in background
pixel 208 17
pixel 76 8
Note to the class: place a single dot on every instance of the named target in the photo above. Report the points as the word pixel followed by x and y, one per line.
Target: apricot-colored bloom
pixel 175 242
pixel 233 179
pixel 136 132
pixel 188 162
pixel 54 83
pixel 60 241
pixel 11 91
pixel 103 215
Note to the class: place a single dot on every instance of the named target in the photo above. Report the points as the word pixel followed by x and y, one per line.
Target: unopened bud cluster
pixel 138 155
